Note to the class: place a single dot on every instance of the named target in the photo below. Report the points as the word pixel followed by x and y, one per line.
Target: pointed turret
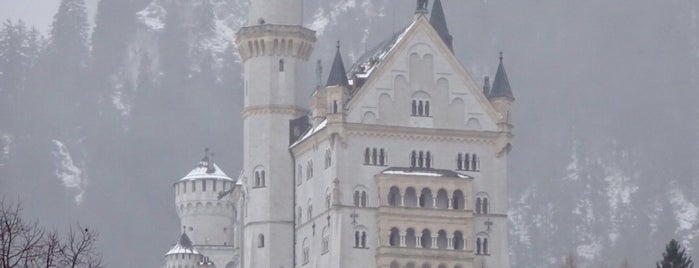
pixel 439 23
pixel 338 75
pixel 501 85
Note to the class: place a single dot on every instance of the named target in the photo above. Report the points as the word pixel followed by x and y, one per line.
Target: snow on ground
pixel 72 177
pixel 686 215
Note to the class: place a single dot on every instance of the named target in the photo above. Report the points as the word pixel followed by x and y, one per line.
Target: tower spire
pixel 338 75
pixel 439 23
pixel 501 84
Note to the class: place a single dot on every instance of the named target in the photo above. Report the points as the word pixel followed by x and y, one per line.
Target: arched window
pixel 426 239
pixel 459 162
pixel 335 107
pixel 410 197
pixel 309 170
pixel 325 241
pixel 306 254
pixel 394 197
pixel 428 160
pixel 410 238
pixel 485 205
pixel 367 156
pixel 421 159
pixel 357 238
pixel 426 265
pixel 364 199
pixel 356 198
pixel 420 108
pixel 458 240
pixel 309 210
pixel 458 201
pixel 427 108
pixel 474 162
pixel 260 240
pixel 394 238
pixel 414 106
pixel 364 239
pixel 442 240
pixel 478 205
pixel 374 156
pixel 426 199
pixel 382 157
pixel 394 264
pixel 479 244
pixel 467 162
pixel 259 179
pixel 413 159
pixel 442 199
pixel 299 175
pixel 328 158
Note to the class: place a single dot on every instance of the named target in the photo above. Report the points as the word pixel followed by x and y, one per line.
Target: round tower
pixel 275 48
pixel 207 220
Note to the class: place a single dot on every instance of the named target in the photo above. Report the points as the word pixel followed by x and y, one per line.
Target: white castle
pixel 399 163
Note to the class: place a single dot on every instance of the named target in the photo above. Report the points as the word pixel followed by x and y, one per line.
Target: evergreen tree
pixel 69 33
pixel 204 18
pixel 675 257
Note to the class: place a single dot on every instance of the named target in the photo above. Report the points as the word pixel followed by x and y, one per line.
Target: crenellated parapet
pixel 275 40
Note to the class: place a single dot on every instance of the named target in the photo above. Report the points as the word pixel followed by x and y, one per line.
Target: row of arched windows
pixel 375 157
pixel 442 200
pixel 427 239
pixel 395 264
pixel 468 162
pixel 420 108
pixel 421 159
pixel 182 187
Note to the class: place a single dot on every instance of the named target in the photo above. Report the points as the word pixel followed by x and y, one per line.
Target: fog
pixel 606 147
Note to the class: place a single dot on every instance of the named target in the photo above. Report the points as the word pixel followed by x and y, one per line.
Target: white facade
pixel 402 165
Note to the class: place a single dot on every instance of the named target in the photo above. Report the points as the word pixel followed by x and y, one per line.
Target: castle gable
pixel 416 81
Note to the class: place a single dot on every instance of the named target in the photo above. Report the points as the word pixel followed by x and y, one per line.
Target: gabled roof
pixel 338 75
pixel 439 23
pixel 373 64
pixel 501 85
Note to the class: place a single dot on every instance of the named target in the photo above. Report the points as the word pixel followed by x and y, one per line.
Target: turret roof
pixel 184 246
pixel 206 169
pixel 338 75
pixel 439 23
pixel 501 85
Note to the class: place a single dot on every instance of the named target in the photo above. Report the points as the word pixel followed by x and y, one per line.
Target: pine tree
pixel 570 261
pixel 675 257
pixel 69 33
pixel 625 264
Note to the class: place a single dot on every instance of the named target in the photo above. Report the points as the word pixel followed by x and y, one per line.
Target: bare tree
pixel 26 244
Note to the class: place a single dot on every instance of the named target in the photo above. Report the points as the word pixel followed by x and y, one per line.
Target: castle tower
pixel 274 47
pixel 205 219
pixel 183 254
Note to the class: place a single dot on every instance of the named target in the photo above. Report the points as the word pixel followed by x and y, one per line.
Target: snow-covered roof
pixel 179 249
pixel 206 169
pixel 184 246
pixel 424 172
pixel 367 63
pixel 310 132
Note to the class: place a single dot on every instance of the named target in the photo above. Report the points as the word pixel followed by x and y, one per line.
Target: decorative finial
pixel 501 57
pixel 422 5
pixel 338 44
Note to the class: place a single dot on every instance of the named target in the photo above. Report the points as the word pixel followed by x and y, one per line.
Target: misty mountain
pixel 97 124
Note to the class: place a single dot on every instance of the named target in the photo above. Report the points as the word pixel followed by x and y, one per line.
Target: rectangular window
pixel 215 185
pixel 203 185
pixel 194 186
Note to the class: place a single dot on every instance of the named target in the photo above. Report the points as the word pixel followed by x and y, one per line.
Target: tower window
pixel 260 241
pixel 360 198
pixel 360 239
pixel 260 180
pixel 281 65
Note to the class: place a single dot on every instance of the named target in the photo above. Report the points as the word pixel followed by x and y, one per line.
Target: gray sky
pixel 38 13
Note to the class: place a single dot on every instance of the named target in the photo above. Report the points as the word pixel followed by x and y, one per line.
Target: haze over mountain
pixel 96 124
